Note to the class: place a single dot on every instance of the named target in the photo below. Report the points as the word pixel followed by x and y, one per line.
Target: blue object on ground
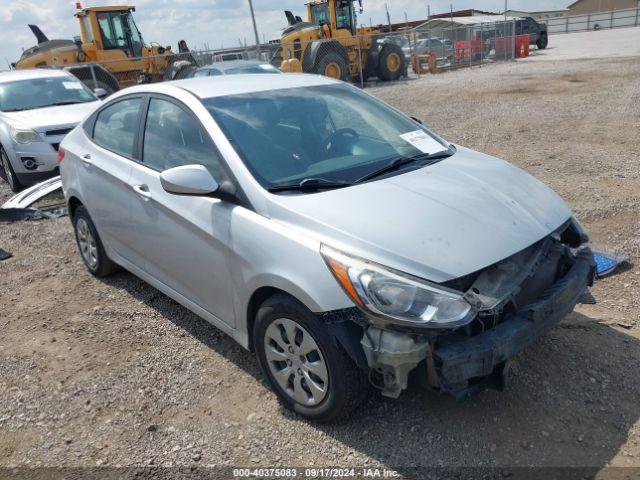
pixel 606 262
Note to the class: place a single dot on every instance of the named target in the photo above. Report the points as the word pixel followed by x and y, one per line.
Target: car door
pixel 106 158
pixel 185 240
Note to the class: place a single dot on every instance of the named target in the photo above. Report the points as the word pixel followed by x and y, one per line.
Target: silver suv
pixel 38 108
pixel 342 241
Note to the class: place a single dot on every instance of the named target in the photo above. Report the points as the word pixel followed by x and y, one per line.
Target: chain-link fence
pixel 405 53
pixel 369 57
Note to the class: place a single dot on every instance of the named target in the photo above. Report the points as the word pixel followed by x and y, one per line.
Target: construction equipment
pixel 330 43
pixel 109 54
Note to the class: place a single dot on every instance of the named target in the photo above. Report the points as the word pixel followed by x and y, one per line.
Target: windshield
pixel 252 69
pixel 333 132
pixel 42 92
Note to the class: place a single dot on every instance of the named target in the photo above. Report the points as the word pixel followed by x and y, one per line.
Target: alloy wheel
pixel 88 245
pixel 296 362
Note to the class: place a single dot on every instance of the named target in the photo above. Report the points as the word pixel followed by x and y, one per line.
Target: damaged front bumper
pixel 463 365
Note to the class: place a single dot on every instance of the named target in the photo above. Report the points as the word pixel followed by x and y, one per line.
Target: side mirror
pixel 188 180
pixel 100 92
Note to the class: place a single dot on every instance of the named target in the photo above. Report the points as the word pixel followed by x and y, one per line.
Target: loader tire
pixel 333 65
pixel 391 64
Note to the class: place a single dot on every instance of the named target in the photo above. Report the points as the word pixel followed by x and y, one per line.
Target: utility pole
pixel 255 26
pixel 428 12
pixel 388 17
pixel 505 10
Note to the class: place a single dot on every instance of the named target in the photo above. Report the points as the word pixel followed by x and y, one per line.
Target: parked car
pixel 37 109
pixel 442 49
pixel 335 237
pixel 537 31
pixel 231 68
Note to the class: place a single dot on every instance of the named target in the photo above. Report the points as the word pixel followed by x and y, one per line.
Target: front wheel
pixel 7 172
pixel 306 367
pixel 333 65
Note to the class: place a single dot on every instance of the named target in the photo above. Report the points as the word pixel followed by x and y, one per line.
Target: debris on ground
pixel 607 262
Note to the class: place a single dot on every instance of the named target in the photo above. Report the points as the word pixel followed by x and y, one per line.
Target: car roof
pixel 208 87
pixel 31 73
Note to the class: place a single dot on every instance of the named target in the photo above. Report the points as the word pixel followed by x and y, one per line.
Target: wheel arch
pixel 263 293
pixel 72 205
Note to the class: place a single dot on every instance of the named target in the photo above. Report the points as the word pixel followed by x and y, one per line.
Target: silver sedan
pixel 340 240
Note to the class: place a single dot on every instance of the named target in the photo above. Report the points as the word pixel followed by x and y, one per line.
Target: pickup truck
pixel 537 31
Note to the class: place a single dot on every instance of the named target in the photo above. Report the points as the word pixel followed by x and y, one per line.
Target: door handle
pixel 86 160
pixel 142 190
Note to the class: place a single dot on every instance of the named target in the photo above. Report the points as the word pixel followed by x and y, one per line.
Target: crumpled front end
pixel 516 301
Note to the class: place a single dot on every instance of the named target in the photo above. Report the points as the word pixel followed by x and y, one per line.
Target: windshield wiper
pixel 400 162
pixel 310 184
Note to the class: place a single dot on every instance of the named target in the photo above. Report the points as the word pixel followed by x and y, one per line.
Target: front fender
pixel 269 254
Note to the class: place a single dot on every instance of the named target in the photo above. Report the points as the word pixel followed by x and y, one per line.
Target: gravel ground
pixel 114 373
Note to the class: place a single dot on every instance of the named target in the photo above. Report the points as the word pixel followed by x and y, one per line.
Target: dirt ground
pixel 114 373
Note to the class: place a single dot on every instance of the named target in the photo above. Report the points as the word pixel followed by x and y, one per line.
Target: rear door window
pixel 116 126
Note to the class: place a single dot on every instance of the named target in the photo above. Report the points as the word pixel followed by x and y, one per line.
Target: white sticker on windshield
pixel 72 85
pixel 423 142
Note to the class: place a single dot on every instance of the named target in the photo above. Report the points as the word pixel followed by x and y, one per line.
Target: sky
pixel 217 23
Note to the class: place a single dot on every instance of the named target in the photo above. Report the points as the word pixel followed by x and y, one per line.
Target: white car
pixel 38 108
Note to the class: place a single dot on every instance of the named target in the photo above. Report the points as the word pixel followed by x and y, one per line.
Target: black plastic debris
pixel 8 215
pixel 4 254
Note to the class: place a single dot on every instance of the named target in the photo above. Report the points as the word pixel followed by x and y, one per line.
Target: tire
pixel 543 41
pixel 90 245
pixel 335 396
pixel 391 63
pixel 333 65
pixel 7 172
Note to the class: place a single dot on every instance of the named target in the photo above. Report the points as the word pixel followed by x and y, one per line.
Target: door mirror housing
pixel 189 180
pixel 100 92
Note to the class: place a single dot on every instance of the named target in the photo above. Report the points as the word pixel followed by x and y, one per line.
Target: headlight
pixel 24 135
pixel 405 299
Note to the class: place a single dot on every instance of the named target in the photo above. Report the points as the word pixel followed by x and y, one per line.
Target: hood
pixel 43 118
pixel 439 222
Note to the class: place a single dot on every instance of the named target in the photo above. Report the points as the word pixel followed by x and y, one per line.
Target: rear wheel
pixel 333 65
pixel 90 245
pixel 7 172
pixel 307 368
pixel 543 41
pixel 390 63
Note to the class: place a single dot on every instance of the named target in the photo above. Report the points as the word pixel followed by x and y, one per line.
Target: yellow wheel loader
pixel 330 43
pixel 110 52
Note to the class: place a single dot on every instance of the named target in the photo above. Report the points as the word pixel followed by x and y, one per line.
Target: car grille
pixel 59 131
